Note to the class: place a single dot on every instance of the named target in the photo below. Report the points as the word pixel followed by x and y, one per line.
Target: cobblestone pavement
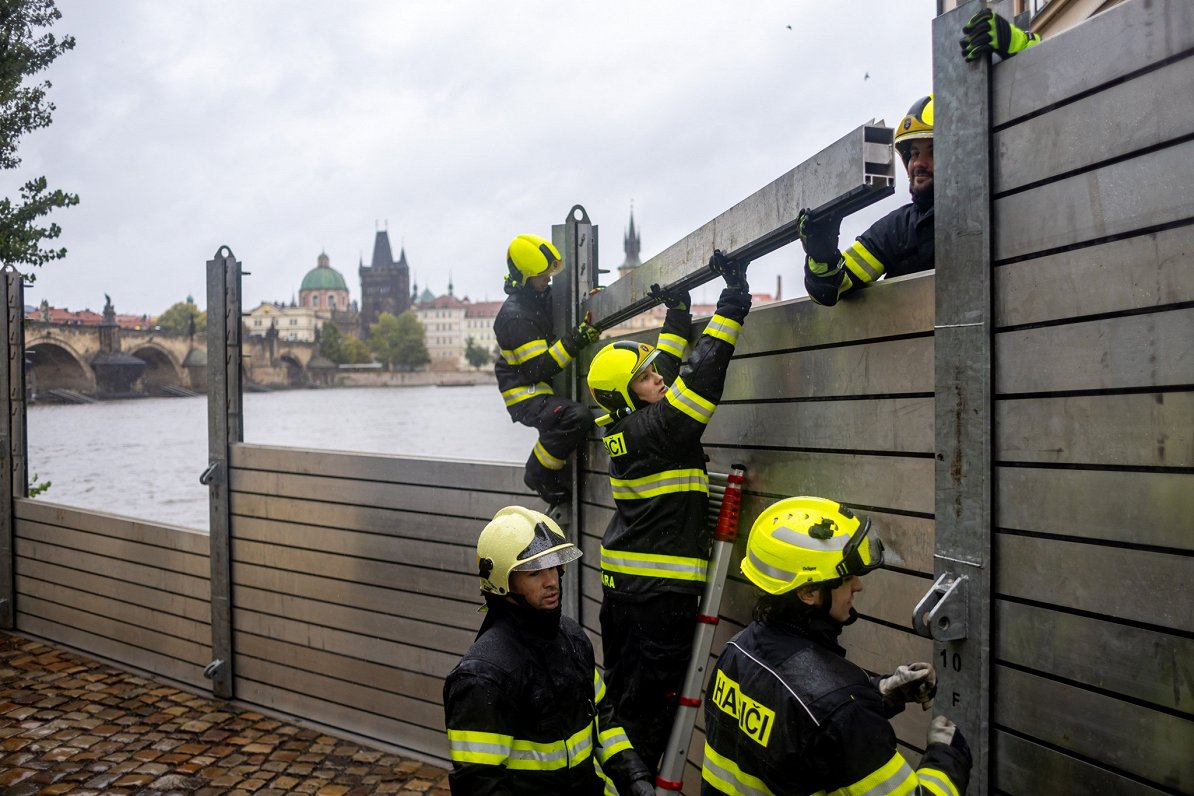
pixel 70 725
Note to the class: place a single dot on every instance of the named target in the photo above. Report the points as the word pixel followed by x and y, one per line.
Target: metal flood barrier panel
pixel 354 584
pixel 836 403
pixel 130 591
pixel 1093 317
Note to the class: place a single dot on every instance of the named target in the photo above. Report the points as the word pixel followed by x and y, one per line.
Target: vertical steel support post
pixel 223 429
pixel 576 239
pixel 14 481
pixel 964 379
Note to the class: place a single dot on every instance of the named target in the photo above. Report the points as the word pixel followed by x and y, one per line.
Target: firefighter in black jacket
pixel 902 241
pixel 785 712
pixel 899 243
pixel 525 707
pixel 530 357
pixel 655 551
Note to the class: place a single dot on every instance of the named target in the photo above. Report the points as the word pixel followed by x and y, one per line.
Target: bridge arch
pixel 162 369
pixel 54 365
pixel 296 374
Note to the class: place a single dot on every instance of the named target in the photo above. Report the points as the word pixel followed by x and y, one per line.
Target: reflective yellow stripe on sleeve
pixel 654 565
pixel 893 778
pixel 559 353
pixel 488 748
pixel 688 402
pixel 724 328
pixel 936 782
pixel 546 459
pixel 724 774
pixel 862 264
pixel 612 741
pixel 598 687
pixel 672 344
pixel 516 395
pixel 525 352
pixel 661 483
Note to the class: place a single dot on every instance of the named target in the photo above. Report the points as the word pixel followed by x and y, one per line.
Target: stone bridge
pixel 108 361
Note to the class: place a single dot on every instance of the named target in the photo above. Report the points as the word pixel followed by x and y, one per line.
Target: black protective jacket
pixel 525 713
pixel 659 538
pixel 899 243
pixel 787 714
pixel 531 354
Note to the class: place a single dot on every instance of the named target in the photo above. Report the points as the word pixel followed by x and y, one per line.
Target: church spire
pixel 631 245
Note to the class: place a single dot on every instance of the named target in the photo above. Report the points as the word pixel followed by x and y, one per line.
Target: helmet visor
pixel 556 557
pixel 645 362
pixel 863 553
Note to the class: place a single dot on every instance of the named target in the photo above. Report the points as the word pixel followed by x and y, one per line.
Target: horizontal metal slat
pixel 172 603
pixel 898 425
pixel 1150 350
pixel 1135 430
pixel 172 537
pixel 116 570
pixel 1021 766
pixel 111 548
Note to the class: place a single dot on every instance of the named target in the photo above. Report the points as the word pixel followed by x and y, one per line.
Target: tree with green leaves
pixel 398 341
pixel 475 354
pixel 27 48
pixel 331 342
pixel 183 318
pixel 354 351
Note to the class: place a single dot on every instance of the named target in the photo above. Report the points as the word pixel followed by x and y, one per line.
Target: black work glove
pixel 672 299
pixel 987 32
pixel 819 238
pixel 641 787
pixel 584 334
pixel 733 271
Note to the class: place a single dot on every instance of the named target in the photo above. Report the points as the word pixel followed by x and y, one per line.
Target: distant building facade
pixel 324 290
pixel 290 322
pixel 448 323
pixel 385 283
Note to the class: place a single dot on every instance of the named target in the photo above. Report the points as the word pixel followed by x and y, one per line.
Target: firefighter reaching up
pixel 525 708
pixel 530 356
pixel 785 711
pixel 655 550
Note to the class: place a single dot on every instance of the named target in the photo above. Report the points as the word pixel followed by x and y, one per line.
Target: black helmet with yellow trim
pixel 528 256
pixel 611 372
pixel 918 124
pixel 519 540
pixel 801 541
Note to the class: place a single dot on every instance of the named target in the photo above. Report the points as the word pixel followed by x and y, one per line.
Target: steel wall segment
pixel 12 373
pixel 1147 508
pixel 1097 578
pixel 1154 189
pixel 174 537
pixel 1021 767
pixel 1125 118
pixel 400 526
pixel 1154 350
pixel 1132 36
pixel 347 495
pixel 1127 430
pixel 449 473
pixel 1142 271
pixel 891 308
pixel 962 372
pixel 835 171
pixel 886 367
pixel 1148 744
pixel 376 596
pixel 891 425
pixel 1142 664
pixel 223 430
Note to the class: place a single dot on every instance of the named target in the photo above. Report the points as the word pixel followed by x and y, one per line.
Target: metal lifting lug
pixel 214 669
pixel 942 613
pixel 209 474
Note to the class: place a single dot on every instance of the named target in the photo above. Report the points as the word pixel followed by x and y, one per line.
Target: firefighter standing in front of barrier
pixel 785 712
pixel 525 707
pixel 655 550
pixel 530 357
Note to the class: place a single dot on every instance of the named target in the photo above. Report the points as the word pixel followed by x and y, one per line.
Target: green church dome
pixel 323 277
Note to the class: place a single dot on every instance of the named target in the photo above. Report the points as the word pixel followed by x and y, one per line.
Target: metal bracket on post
pixel 943 613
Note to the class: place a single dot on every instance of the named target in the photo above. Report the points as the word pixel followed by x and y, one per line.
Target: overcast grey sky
pixel 284 128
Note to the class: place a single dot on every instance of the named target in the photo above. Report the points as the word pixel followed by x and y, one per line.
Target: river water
pixel 142 458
